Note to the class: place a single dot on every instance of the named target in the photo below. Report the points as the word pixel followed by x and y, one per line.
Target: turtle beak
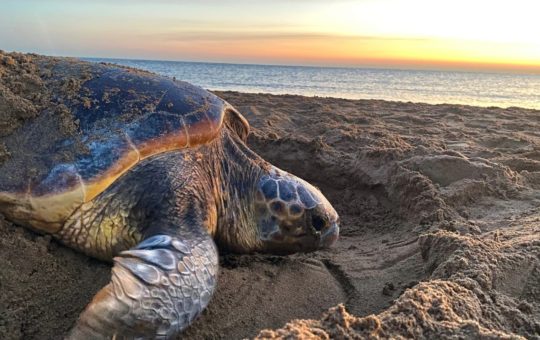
pixel 330 236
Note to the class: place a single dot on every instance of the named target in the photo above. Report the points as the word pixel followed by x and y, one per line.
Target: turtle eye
pixel 317 222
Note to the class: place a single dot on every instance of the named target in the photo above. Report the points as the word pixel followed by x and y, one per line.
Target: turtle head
pixel 292 215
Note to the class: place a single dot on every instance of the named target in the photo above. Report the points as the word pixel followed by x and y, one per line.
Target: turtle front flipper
pixel 157 289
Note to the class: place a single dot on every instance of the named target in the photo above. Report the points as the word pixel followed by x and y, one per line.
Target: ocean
pixel 435 87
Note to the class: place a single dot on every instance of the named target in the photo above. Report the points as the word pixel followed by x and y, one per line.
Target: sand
pixel 440 207
pixel 440 210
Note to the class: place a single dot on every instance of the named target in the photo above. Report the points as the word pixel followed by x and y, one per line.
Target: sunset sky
pixel 458 34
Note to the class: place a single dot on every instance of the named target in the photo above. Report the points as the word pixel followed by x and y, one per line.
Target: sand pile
pixel 440 210
pixel 479 287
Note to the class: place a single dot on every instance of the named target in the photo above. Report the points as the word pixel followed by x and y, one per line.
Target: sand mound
pixel 479 287
pixel 440 210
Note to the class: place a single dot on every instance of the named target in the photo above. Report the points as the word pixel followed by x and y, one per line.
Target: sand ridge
pixel 440 210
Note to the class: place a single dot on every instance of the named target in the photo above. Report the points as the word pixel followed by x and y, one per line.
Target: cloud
pixel 242 35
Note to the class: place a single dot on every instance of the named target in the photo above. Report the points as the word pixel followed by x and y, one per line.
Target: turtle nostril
pixel 318 223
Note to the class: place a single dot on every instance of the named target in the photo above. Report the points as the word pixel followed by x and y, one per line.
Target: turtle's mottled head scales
pixel 293 215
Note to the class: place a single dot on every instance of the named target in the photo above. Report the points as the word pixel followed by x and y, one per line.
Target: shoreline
pixel 533 110
pixel 483 89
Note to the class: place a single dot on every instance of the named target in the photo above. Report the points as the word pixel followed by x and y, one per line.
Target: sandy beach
pixel 440 211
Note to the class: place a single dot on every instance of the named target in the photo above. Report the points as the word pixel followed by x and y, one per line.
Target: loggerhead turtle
pixel 159 170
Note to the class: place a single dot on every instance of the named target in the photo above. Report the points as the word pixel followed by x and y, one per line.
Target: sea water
pixel 435 87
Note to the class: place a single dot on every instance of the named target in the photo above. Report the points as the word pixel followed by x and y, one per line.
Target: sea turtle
pixel 156 172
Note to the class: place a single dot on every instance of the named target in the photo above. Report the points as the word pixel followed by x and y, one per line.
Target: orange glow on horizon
pixel 356 51
pixel 458 34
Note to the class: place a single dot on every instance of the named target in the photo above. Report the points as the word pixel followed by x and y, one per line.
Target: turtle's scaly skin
pixel 153 191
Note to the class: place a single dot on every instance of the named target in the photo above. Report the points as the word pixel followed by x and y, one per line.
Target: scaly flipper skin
pixel 157 289
pixel 165 261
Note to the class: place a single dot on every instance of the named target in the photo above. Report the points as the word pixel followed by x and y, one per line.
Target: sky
pixel 429 34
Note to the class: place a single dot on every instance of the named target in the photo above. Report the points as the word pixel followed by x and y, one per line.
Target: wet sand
pixel 440 210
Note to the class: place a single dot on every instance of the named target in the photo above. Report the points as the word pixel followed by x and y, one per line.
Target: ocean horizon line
pixel 366 67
